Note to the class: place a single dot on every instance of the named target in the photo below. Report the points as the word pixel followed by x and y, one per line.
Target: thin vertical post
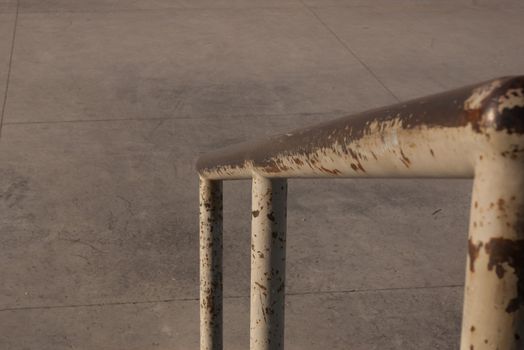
pixel 494 293
pixel 210 265
pixel 268 263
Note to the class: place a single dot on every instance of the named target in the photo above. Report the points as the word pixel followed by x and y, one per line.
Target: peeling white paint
pixel 479 95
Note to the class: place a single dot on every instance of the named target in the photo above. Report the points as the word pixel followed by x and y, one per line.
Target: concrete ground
pixel 109 102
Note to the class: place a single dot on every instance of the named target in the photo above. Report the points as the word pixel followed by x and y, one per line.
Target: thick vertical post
pixel 210 265
pixel 268 263
pixel 494 292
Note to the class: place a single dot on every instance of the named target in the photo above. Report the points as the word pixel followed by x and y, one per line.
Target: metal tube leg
pixel 494 293
pixel 210 265
pixel 268 263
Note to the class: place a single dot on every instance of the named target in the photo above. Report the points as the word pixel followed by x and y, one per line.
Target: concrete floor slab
pixel 451 5
pixel 126 5
pixel 7 21
pixel 110 102
pixel 8 6
pixel 399 320
pixel 360 234
pixel 390 320
pixel 164 325
pixel 182 64
pixel 107 211
pixel 424 49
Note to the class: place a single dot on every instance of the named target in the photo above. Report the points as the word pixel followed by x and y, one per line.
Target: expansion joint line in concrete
pixel 10 64
pixel 230 297
pixel 350 51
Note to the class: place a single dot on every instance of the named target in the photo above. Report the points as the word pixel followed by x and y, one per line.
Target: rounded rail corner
pixel 503 108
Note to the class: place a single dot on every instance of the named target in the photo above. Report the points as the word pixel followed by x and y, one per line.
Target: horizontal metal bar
pixel 437 136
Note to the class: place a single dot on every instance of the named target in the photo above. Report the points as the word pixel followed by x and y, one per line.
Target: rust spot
pixel 271 217
pixel 356 166
pixel 272 168
pixel 473 117
pixel 353 154
pixel 260 286
pixel 405 159
pixel 431 151
pixel 511 252
pixel 276 166
pixel 255 213
pixel 476 204
pixel 517 337
pixel 334 171
pixel 473 251
pixel 472 328
pixel 513 153
pixel 209 302
pixel 501 204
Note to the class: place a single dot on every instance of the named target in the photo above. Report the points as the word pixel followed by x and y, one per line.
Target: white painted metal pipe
pixel 268 263
pixel 210 265
pixel 494 292
pixel 476 131
pixel 434 136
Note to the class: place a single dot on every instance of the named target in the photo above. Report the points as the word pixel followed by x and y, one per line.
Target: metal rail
pixel 473 132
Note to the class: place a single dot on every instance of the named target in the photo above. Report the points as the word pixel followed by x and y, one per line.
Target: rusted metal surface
pixel 268 263
pixel 473 132
pixel 435 136
pixel 494 292
pixel 210 265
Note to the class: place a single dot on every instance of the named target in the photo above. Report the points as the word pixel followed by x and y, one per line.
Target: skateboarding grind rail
pixel 472 132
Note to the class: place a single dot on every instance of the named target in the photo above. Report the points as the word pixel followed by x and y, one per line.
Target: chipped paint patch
pixel 503 254
pixel 511 99
pixel 473 252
